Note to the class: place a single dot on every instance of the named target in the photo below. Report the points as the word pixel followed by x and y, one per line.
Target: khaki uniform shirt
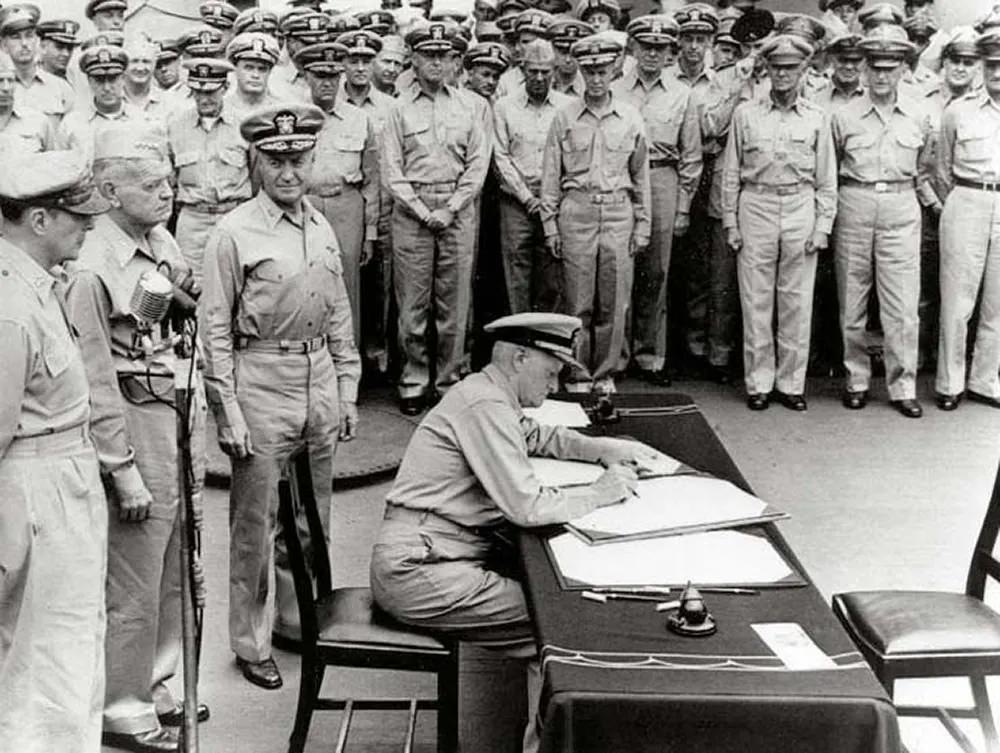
pixel 80 128
pixel 519 131
pixel 969 143
pixel 238 107
pixel 212 166
pixel 871 149
pixel 575 87
pixel 42 379
pixel 102 281
pixel 27 131
pixel 347 155
pixel 49 94
pixel 596 153
pixel 375 104
pixel 158 105
pixel 270 276
pixel 771 146
pixel 832 97
pixel 287 83
pixel 468 460
pixel 672 128
pixel 432 139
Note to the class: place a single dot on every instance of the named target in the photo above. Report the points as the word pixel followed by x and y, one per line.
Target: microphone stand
pixel 192 589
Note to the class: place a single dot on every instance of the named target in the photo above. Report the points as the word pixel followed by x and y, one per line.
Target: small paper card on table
pixel 559 413
pixel 793 646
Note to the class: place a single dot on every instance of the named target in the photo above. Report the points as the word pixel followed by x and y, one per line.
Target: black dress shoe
pixel 792 402
pixel 855 400
pixel 175 718
pixel 263 673
pixel 153 741
pixel 411 406
pixel 909 408
pixel 758 401
pixel 947 402
pixel 658 378
pixel 978 397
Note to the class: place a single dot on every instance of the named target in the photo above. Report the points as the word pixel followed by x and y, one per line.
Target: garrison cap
pixel 988 44
pixel 325 57
pixel 586 7
pixel 886 43
pixel 58 179
pixel 99 6
pixel 753 26
pixel 988 21
pixel 554 334
pixel 168 49
pixel 254 45
pixel 488 31
pixel 727 19
pixel 697 17
pixel 361 42
pixel 880 14
pixel 120 140
pixel 202 42
pixel 283 128
pixel 255 19
pixel 110 38
pixel 786 48
pixel 655 29
pixel 17 18
pixel 431 37
pixel 308 26
pixel 492 54
pixel 801 25
pixel 961 42
pixel 564 32
pixel 103 60
pixel 219 14
pixel 393 47
pixel 534 22
pixel 920 26
pixel 597 49
pixel 207 74
pixel 62 30
pixel 845 45
pixel 538 51
pixel 381 22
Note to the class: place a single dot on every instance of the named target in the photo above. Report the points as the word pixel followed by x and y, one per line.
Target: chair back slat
pixel 300 473
pixel 984 564
pixel 297 562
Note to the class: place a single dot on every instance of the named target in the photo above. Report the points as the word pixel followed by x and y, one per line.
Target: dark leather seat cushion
pixel 897 623
pixel 350 616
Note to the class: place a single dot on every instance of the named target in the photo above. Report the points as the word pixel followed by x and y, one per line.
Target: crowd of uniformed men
pixel 832 189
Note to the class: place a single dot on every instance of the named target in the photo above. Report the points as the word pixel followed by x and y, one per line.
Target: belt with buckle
pixel 994 187
pixel 436 187
pixel 207 207
pixel 787 189
pixel 665 162
pixel 603 197
pixel 880 186
pixel 280 346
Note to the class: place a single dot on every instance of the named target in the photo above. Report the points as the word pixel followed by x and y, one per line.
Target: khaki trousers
pixel 970 263
pixel 53 555
pixel 432 276
pixel 878 235
pixel 143 644
pixel 289 401
pixel 597 278
pixel 193 229
pixel 533 276
pixel 346 214
pixel 774 271
pixel 649 291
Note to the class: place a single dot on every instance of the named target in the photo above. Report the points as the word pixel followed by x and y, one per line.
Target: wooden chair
pixel 343 627
pixel 907 634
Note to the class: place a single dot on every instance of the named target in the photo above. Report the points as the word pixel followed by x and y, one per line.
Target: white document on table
pixel 559 413
pixel 712 558
pixel 793 646
pixel 675 503
pixel 552 472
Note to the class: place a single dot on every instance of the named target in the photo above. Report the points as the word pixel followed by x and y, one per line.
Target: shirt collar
pixel 122 245
pixel 28 269
pixel 796 104
pixel 525 101
pixel 902 104
pixel 581 107
pixel 491 372
pixel 416 91
pixel 273 213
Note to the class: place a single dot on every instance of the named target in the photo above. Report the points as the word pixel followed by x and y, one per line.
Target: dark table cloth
pixel 616 680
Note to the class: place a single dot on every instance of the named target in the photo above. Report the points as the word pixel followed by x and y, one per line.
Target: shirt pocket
pixel 664 130
pixel 976 142
pixel 758 151
pixel 801 151
pixel 576 151
pixel 346 153
pixel 185 166
pixel 907 144
pixel 619 149
pixel 417 137
pixel 457 131
pixel 56 356
pixel 233 167
pixel 862 148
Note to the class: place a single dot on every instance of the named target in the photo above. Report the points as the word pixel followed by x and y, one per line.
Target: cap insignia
pixel 285 122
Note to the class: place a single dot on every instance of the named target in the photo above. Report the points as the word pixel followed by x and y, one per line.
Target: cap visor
pixel 96 204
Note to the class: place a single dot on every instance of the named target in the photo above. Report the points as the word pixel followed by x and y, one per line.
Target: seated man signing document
pixel 440 561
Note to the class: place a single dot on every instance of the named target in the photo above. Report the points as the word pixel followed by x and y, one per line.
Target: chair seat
pixel 902 623
pixel 349 616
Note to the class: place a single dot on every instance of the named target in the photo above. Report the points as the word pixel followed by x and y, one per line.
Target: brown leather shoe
pixel 152 741
pixel 264 674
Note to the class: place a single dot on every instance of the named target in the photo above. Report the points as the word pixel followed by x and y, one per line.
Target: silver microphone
pixel 151 299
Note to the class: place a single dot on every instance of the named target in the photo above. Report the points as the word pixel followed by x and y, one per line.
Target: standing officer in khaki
pixel 53 519
pixel 36 87
pixel 22 130
pixel 434 161
pixel 134 427
pixel 253 55
pixel 210 158
pixel 563 33
pixel 779 198
pixel 521 123
pixel 968 163
pixel 356 84
pixel 345 180
pixel 882 139
pixel 281 367
pixel 674 135
pixel 299 29
pixel 595 210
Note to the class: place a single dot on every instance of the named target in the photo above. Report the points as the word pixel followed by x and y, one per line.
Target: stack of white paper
pixel 559 413
pixel 552 472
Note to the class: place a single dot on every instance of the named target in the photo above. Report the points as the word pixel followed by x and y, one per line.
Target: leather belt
pixel 880 186
pixel 49 443
pixel 789 189
pixel 994 187
pixel 446 187
pixel 602 197
pixel 665 162
pixel 207 207
pixel 431 520
pixel 280 346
